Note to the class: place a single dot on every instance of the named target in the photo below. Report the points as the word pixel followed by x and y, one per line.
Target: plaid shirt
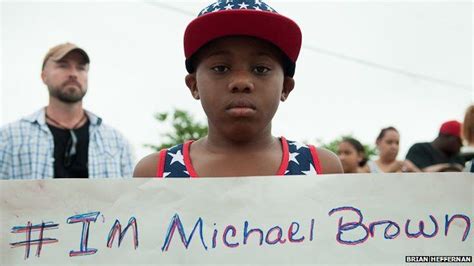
pixel 27 150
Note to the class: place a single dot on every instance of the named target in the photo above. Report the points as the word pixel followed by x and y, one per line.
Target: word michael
pixel 232 236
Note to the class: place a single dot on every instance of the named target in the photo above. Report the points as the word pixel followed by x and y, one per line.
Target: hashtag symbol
pixel 38 242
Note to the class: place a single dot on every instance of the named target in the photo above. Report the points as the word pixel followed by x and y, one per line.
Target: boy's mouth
pixel 241 108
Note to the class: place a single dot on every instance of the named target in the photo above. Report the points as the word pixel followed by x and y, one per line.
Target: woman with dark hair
pixel 388 142
pixel 352 155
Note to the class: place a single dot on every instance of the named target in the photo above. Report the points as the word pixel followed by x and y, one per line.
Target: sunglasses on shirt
pixel 70 150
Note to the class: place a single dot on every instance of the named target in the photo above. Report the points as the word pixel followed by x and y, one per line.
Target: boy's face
pixel 240 82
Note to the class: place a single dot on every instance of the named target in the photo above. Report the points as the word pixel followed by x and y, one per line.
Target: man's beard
pixel 66 94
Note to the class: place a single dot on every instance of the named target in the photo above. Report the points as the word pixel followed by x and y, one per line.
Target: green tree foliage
pixel 184 128
pixel 370 150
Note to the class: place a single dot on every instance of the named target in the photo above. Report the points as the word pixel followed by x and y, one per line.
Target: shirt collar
pixel 40 118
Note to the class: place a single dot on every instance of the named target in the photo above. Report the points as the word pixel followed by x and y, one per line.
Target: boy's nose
pixel 241 82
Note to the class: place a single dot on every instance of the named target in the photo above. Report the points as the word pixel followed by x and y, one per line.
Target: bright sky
pixel 363 65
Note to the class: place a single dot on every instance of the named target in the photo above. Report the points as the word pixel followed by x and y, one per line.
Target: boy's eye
pixel 261 69
pixel 220 69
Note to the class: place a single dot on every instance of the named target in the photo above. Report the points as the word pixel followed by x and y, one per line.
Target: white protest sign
pixel 353 219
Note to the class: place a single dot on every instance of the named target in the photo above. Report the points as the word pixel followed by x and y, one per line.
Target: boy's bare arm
pixel 330 163
pixel 147 167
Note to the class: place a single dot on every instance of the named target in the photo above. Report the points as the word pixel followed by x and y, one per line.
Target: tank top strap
pixel 172 162
pixel 297 159
pixel 302 160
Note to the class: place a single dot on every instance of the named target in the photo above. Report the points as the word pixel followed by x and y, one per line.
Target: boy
pixel 240 56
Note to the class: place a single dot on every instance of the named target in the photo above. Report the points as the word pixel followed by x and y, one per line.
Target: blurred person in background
pixel 467 151
pixel 352 155
pixel 388 143
pixel 442 154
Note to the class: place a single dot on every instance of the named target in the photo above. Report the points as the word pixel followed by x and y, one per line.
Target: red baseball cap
pixel 247 18
pixel 452 128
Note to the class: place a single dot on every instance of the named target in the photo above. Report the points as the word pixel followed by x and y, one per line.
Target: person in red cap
pixel 467 151
pixel 241 58
pixel 442 154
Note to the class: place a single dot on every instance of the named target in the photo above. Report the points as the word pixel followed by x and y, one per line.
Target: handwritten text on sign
pixel 167 216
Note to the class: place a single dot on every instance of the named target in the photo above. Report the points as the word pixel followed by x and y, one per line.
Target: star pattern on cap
pixel 243 5
pixel 222 5
pixel 204 11
pixel 269 8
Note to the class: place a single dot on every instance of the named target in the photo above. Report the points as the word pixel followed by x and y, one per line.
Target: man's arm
pixel 422 159
pixel 444 167
pixel 126 161
pixel 5 154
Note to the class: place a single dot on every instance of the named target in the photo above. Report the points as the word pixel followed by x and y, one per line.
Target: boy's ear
pixel 192 85
pixel 288 85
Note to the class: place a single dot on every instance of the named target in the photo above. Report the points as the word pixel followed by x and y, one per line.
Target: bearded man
pixel 63 140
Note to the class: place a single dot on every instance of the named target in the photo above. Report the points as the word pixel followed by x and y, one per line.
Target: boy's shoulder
pixel 330 163
pixel 147 167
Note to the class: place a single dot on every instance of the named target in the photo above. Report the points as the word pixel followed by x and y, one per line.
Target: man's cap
pixel 246 18
pixel 59 51
pixel 451 128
